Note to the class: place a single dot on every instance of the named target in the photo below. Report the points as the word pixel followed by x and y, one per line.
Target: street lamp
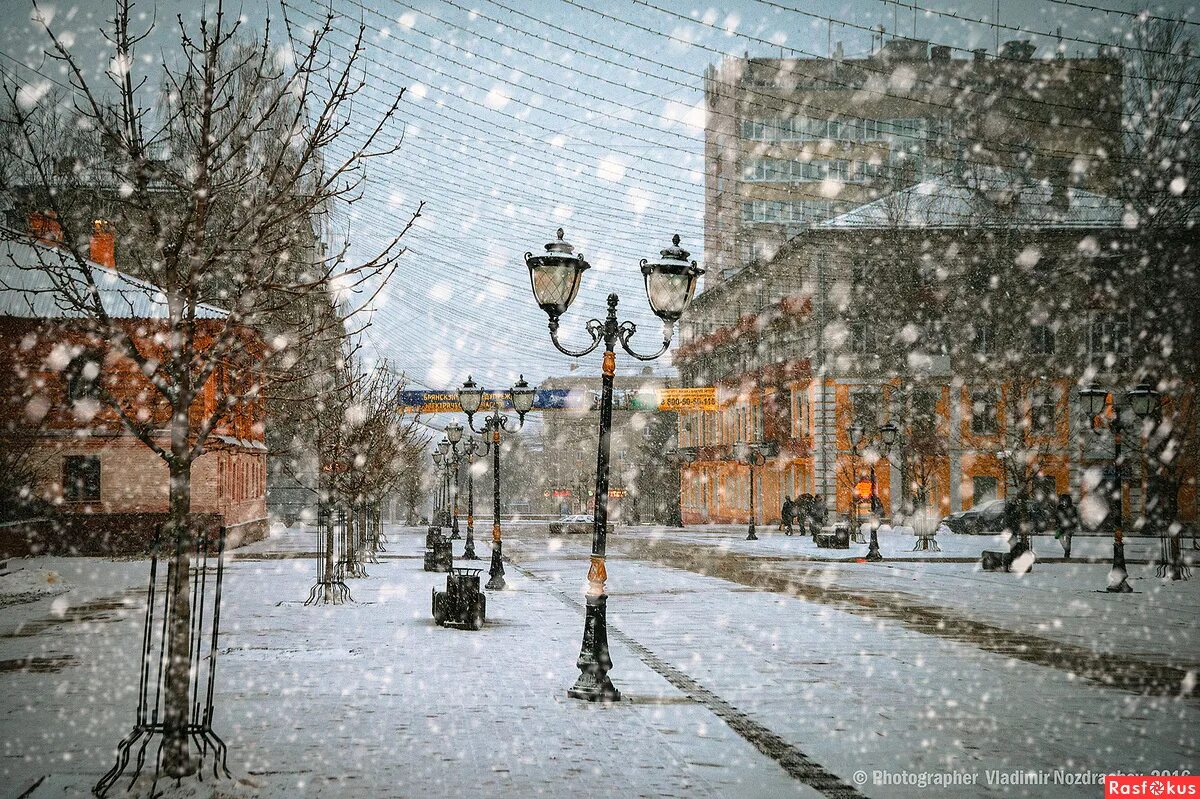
pixel 438 457
pixel 888 434
pixel 1143 400
pixel 670 283
pixel 454 433
pixel 473 447
pixel 470 397
pixel 751 453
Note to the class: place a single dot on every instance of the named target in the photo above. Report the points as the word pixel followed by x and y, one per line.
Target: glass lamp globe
pixel 670 281
pixel 1143 399
pixel 523 396
pixel 470 396
pixel 555 276
pixel 1093 398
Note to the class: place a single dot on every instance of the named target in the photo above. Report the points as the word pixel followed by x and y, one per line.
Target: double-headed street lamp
pixel 752 453
pixel 888 435
pixel 470 397
pixel 670 283
pixel 1144 401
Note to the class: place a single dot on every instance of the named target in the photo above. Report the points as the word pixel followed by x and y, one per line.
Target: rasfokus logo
pixel 1151 785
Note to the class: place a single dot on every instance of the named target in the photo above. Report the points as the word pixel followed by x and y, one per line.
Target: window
pixel 858 273
pixel 81 478
pixel 1109 334
pixel 799 412
pixel 1042 340
pixel 985 339
pixel 1043 413
pixel 984 403
pixel 924 412
pixel 984 489
pixel 862 338
pixel 864 409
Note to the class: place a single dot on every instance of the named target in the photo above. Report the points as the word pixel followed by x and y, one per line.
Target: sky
pixel 521 116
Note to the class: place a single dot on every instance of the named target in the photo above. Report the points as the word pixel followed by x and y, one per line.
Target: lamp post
pixel 888 434
pixel 751 453
pixel 444 449
pixel 473 447
pixel 454 433
pixel 470 397
pixel 670 283
pixel 437 492
pixel 1143 400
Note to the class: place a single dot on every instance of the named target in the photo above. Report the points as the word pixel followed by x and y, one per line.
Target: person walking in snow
pixel 785 515
pixel 1067 522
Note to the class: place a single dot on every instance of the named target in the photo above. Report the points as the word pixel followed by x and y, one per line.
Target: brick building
pixel 97 488
pixel 968 309
pixel 793 141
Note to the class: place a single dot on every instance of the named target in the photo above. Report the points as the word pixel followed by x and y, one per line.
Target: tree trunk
pixel 176 758
pixel 329 540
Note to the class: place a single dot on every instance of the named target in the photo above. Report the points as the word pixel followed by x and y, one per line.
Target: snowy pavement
pixel 728 689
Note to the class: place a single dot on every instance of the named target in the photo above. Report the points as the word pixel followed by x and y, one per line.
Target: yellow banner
pixel 688 399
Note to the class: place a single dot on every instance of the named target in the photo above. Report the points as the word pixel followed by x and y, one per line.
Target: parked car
pixel 578 523
pixel 982 518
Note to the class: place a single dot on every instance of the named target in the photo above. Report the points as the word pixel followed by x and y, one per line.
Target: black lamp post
pixel 1143 400
pixel 437 492
pixel 454 433
pixel 670 283
pixel 888 434
pixel 473 447
pixel 751 453
pixel 444 450
pixel 470 397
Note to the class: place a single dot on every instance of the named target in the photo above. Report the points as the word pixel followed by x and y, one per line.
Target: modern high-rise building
pixel 793 141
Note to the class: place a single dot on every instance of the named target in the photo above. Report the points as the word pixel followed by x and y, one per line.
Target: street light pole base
pixel 496 572
pixel 751 536
pixel 1118 576
pixel 873 553
pixel 469 549
pixel 594 661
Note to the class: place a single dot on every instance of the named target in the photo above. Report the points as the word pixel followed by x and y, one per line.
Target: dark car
pixel 986 517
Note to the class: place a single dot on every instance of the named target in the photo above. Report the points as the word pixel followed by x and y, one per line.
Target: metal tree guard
pixel 330 587
pixel 205 576
pixel 670 283
pixel 355 542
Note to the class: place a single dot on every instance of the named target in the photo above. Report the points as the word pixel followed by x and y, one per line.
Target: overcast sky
pixel 521 116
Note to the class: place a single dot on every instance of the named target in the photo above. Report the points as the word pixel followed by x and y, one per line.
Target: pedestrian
pixel 1066 522
pixel 785 515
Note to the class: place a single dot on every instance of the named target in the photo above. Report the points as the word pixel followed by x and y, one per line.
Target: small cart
pixel 462 604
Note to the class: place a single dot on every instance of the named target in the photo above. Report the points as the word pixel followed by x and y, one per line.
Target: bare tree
pixel 219 175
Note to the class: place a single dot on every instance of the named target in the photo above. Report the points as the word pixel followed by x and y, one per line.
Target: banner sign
pixel 447 401
pixel 559 399
pixel 688 399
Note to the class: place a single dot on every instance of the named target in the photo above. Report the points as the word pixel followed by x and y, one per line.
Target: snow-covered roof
pixel 1000 199
pixel 32 278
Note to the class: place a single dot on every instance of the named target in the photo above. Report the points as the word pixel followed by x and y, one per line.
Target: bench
pixel 994 561
pixel 836 537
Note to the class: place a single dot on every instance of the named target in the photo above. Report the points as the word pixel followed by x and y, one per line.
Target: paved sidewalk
pixel 374 700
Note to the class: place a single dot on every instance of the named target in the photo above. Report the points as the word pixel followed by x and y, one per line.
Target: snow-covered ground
pixel 374 700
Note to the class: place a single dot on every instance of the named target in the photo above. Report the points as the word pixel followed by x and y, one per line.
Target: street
pixel 729 688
